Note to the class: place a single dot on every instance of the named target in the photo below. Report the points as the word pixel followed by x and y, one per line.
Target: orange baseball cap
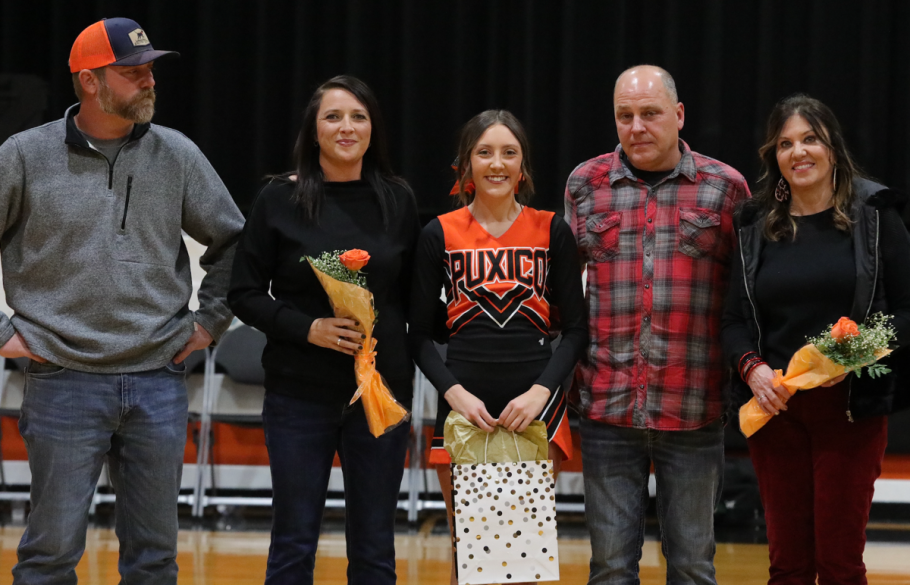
pixel 113 41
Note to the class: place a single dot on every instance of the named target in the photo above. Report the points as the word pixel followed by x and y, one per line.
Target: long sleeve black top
pixel 501 299
pixel 792 273
pixel 278 294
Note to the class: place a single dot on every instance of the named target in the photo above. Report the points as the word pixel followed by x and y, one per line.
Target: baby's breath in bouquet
pixel 343 266
pixel 340 274
pixel 857 346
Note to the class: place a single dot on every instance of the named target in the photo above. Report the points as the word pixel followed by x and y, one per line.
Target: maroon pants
pixel 816 472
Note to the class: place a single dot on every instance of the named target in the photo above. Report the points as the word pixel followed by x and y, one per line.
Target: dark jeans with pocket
pixel 302 437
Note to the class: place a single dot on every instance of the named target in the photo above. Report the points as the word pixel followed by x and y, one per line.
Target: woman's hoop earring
pixel 782 192
pixel 834 179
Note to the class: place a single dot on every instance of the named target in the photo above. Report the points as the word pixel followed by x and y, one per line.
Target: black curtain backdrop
pixel 248 68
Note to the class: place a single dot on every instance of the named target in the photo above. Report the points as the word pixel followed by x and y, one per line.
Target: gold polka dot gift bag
pixel 504 496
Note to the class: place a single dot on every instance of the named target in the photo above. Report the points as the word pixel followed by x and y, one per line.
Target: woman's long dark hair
pixel 309 191
pixel 779 223
pixel 470 135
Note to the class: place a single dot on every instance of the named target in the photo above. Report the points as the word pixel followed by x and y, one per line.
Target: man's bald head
pixel 644 74
pixel 649 117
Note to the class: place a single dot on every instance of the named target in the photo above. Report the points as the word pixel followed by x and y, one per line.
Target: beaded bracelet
pixel 752 366
pixel 749 362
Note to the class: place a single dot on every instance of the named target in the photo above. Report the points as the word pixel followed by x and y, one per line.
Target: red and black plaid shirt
pixel 658 264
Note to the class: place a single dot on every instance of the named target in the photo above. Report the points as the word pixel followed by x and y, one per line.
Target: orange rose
pixel 843 329
pixel 354 259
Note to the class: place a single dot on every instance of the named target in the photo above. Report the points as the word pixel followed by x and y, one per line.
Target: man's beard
pixel 139 110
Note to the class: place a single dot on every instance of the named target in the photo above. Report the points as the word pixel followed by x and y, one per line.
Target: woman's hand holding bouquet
pixel 335 333
pixel 771 398
pixel 351 331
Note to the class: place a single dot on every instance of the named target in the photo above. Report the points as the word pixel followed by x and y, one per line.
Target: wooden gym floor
pixel 238 558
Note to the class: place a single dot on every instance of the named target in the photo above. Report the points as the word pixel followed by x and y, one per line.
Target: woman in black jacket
pixel 341 196
pixel 816 243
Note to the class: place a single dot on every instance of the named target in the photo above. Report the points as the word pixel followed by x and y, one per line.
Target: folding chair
pixel 233 393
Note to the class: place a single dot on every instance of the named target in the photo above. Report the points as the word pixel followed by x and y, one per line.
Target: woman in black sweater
pixel 506 269
pixel 342 196
pixel 817 243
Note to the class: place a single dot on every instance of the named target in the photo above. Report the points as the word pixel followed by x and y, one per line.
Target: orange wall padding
pixel 11 444
pixel 13 447
pixel 235 445
pixel 896 467
pixel 189 454
pixel 246 446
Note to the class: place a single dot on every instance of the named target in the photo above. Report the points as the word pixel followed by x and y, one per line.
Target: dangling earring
pixel 782 192
pixel 834 179
pixel 521 178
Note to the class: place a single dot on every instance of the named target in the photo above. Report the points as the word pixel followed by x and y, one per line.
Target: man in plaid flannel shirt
pixel 654 224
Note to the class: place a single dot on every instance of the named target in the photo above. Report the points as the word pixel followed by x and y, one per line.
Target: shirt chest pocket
pixel 699 231
pixel 602 233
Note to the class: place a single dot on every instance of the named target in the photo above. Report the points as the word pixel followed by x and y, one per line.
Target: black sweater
pixel 275 238
pixel 791 275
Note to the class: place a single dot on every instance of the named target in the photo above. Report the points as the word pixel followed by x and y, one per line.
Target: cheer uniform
pixel 502 298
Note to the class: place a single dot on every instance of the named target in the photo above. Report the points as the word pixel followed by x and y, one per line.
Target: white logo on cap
pixel 138 37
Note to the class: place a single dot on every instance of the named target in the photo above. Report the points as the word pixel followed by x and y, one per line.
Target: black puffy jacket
pixel 877 228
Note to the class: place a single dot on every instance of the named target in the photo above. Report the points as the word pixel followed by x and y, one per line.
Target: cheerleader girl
pixel 508 271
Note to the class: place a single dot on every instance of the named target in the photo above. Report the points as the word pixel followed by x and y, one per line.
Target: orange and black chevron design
pixel 500 278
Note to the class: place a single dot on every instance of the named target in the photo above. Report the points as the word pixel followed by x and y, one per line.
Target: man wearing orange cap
pixel 92 210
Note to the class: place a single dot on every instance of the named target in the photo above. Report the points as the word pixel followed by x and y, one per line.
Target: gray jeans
pixel 688 467
pixel 70 422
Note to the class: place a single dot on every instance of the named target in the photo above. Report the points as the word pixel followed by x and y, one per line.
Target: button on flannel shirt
pixel 658 265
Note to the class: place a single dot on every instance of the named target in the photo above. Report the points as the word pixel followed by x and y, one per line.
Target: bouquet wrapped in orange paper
pixel 844 347
pixel 341 277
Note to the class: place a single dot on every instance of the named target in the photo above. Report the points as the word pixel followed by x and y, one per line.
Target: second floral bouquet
pixel 341 278
pixel 845 347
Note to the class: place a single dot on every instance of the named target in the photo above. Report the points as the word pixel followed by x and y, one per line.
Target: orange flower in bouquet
pixel 354 259
pixel 340 275
pixel 843 329
pixel 845 347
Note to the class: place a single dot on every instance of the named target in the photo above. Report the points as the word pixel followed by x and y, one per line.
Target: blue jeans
pixel 302 438
pixel 70 421
pixel 688 467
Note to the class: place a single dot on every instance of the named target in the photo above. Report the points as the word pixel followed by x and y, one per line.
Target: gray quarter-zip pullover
pixel 94 265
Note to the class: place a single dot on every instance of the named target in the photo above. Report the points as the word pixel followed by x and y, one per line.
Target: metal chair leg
pixel 4 376
pixel 205 424
pixel 416 458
